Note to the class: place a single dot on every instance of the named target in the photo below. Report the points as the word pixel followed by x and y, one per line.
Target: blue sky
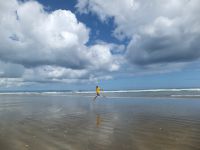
pixel 77 44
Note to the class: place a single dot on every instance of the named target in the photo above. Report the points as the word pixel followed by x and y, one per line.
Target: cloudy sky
pixel 76 44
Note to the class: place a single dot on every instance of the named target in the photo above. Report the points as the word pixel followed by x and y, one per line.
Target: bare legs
pixel 95 97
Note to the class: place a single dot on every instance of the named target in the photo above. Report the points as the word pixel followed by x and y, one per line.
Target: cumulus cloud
pixel 160 31
pixel 32 37
pixel 11 82
pixel 36 45
pixel 52 73
pixel 102 57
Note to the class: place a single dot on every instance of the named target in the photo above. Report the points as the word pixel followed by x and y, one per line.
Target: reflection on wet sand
pixel 68 123
pixel 98 120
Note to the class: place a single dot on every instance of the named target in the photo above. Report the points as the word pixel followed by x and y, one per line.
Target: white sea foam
pixel 85 92
pixel 33 93
pixel 185 95
pixel 154 90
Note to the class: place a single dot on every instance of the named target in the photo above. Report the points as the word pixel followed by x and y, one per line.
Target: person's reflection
pixel 98 120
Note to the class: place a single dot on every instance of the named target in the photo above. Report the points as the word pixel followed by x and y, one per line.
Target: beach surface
pixel 76 122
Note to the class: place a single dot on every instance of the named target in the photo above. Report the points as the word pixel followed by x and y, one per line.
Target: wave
pixel 154 90
pixel 182 95
pixel 114 91
pixel 32 93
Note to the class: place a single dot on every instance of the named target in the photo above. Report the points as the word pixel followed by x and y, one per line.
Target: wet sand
pixel 57 122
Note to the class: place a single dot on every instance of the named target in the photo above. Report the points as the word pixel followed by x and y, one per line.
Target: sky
pixel 118 45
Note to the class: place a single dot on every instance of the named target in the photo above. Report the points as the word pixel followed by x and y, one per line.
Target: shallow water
pixel 60 122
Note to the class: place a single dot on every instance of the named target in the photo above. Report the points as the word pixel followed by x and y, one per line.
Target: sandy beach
pixel 57 122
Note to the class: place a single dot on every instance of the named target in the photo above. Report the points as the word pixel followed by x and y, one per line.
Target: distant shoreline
pixel 154 93
pixel 106 91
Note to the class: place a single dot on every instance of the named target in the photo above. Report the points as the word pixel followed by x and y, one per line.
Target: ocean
pixel 161 119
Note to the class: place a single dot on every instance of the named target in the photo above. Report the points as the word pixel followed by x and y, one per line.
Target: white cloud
pixel 102 58
pixel 11 82
pixel 160 31
pixel 48 46
pixel 47 73
pixel 31 36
